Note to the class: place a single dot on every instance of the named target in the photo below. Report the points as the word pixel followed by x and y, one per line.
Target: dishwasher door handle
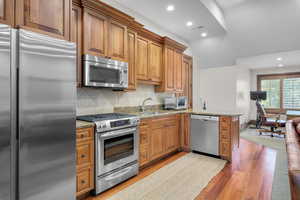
pixel 205 118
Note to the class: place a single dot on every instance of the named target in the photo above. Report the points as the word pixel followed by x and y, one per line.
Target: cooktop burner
pixel 103 117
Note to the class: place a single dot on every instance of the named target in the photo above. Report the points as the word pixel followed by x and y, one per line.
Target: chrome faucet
pixel 142 107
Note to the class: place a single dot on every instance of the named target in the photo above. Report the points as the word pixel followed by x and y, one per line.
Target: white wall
pixel 273 70
pixel 225 89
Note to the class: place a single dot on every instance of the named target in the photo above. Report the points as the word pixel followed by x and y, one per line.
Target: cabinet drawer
pixel 83 134
pixel 84 154
pixel 85 180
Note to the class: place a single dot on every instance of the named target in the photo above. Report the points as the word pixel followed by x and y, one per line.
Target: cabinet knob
pixel 82 156
pixel 82 181
pixel 82 136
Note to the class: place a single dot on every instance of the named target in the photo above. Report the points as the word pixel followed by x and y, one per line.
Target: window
pixel 283 91
pixel 272 87
pixel 291 93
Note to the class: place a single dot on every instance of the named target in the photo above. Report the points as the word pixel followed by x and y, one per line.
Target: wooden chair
pixel 272 121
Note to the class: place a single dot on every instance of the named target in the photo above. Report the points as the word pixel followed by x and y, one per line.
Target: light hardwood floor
pixel 248 177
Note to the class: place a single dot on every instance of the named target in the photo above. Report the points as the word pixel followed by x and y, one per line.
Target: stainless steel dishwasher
pixel 205 134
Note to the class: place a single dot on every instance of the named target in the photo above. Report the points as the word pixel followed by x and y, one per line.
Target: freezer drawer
pixel 205 134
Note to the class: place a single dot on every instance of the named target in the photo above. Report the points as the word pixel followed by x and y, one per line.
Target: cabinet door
pixel 157 143
pixel 144 145
pixel 178 72
pixel 44 16
pixel 76 36
pixel 7 12
pixel 169 69
pixel 155 62
pixel 132 55
pixel 117 41
pixel 171 135
pixel 95 33
pixel 142 59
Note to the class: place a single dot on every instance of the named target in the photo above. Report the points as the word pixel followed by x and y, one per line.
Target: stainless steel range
pixel 116 143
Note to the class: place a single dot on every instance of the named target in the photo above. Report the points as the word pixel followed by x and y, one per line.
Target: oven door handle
pixel 118 133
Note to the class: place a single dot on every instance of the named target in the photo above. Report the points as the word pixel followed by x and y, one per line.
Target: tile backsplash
pixel 102 100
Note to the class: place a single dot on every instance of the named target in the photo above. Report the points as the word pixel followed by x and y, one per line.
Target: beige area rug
pixel 182 179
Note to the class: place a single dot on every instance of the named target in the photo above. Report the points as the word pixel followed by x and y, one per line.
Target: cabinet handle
pixel 82 181
pixel 82 156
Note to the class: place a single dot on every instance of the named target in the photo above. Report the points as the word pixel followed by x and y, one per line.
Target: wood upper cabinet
pixel 76 36
pixel 178 72
pixel 95 33
pixel 44 16
pixel 155 62
pixel 187 79
pixel 169 69
pixel 117 41
pixel 149 61
pixel 132 59
pixel 142 59
pixel 7 12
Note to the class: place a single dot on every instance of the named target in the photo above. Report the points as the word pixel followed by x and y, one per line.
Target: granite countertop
pixel 157 112
pixel 150 114
pixel 83 124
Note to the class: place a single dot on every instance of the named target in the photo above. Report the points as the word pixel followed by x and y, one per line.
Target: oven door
pixel 97 74
pixel 116 149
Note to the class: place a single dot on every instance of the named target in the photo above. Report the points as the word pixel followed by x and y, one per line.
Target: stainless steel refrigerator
pixel 37 116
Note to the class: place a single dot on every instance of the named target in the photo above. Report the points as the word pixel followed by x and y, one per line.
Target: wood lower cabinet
pixel 132 59
pixel 84 160
pixel 158 137
pixel 185 131
pixel 229 136
pixel 7 12
pixel 46 17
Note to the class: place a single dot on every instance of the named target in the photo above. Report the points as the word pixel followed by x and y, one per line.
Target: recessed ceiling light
pixel 170 8
pixel 279 59
pixel 204 34
pixel 280 65
pixel 189 23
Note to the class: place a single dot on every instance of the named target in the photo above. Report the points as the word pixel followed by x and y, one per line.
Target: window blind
pixel 291 93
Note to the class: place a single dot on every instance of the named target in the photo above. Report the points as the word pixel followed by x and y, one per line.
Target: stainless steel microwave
pixel 103 72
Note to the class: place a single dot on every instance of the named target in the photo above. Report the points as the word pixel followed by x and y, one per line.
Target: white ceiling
pixel 175 21
pixel 255 28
